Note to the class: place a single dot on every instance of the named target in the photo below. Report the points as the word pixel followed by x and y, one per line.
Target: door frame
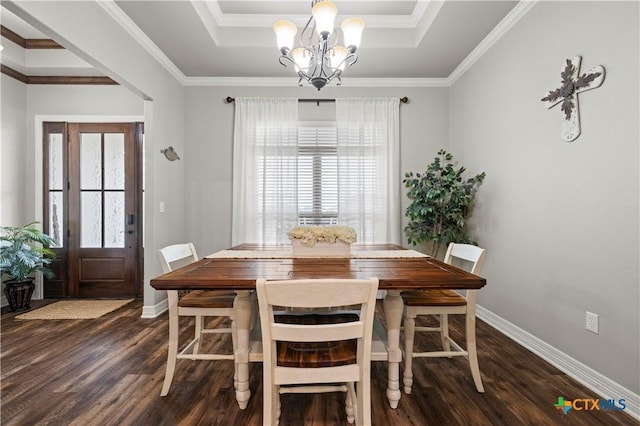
pixel 38 164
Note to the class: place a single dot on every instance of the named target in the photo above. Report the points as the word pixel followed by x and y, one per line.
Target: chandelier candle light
pixel 320 59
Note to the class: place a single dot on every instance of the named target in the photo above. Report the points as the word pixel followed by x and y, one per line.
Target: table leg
pixel 393 307
pixel 242 313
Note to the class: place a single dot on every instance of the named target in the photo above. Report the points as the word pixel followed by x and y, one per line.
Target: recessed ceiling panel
pixel 404 39
pixel 303 7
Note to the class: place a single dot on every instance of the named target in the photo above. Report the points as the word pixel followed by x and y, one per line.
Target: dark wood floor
pixel 109 371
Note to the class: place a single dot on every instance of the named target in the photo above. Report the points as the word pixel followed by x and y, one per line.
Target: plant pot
pixel 19 294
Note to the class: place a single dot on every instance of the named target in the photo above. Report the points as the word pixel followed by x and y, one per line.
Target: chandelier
pixel 320 59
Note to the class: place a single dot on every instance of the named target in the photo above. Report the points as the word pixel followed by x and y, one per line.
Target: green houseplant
pixel 24 250
pixel 441 199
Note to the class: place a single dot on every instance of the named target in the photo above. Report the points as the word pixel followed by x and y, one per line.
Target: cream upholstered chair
pixel 198 304
pixel 315 351
pixel 444 303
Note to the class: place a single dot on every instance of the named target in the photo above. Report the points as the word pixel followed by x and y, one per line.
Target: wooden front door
pixel 93 206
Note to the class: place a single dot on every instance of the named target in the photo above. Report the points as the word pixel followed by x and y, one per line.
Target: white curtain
pixel 265 149
pixel 369 168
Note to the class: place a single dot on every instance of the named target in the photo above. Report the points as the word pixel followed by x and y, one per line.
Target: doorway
pixel 93 197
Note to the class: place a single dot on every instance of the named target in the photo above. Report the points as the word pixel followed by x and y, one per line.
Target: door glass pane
pixel 114 161
pixel 91 219
pixel 114 219
pixel 142 154
pixel 56 217
pixel 144 164
pixel 90 161
pixel 55 161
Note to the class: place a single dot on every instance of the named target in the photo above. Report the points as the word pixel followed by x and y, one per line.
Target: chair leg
pixel 363 401
pixel 270 404
pixel 349 403
pixel 444 332
pixel 198 333
pixel 473 352
pixel 234 340
pixel 276 410
pixel 172 353
pixel 409 333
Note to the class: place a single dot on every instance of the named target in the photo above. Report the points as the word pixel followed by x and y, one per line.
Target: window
pixel 320 180
pixel 317 176
pixel 288 173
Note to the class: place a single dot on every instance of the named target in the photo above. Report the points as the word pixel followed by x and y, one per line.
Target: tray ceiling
pixel 223 39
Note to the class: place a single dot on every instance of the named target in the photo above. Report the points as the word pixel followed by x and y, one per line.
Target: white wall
pixel 14 161
pixel 209 145
pixel 13 153
pixel 103 43
pixel 560 220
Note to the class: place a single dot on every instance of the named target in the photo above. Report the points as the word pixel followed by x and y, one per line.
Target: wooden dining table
pixel 238 269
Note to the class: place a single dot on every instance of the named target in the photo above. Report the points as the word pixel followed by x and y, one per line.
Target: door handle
pixel 130 231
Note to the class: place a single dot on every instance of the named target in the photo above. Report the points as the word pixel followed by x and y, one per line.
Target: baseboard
pixel 154 311
pixel 578 371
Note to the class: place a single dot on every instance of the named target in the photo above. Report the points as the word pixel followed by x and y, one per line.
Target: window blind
pixel 317 176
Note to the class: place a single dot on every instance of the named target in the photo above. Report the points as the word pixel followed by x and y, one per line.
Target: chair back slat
pixel 467 252
pixel 317 333
pixel 318 293
pixel 177 255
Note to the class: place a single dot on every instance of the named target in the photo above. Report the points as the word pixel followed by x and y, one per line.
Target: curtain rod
pixel 229 100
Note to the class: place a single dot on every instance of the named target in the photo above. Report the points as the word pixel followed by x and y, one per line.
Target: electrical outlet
pixel 592 322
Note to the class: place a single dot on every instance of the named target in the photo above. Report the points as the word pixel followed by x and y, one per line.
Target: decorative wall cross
pixel 572 84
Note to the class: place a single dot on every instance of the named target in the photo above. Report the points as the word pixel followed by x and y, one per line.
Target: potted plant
pixel 24 250
pixel 441 199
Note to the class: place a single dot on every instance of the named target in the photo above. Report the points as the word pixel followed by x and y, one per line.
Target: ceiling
pixel 209 40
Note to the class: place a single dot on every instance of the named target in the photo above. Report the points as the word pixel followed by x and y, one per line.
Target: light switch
pixel 161 206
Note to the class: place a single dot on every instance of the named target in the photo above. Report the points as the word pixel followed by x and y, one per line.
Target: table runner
pixel 286 254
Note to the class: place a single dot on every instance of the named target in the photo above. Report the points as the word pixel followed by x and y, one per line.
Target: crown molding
pixel 246 20
pixel 8 71
pixel 12 36
pixel 28 43
pixel 422 6
pixel 429 12
pixel 121 18
pixel 55 79
pixel 267 21
pixel 209 14
pixel 291 82
pixel 492 38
